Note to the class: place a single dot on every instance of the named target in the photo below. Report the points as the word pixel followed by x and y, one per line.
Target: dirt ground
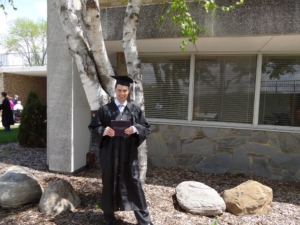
pixel 159 189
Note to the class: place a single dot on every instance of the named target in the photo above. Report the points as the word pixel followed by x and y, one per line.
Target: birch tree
pixel 89 52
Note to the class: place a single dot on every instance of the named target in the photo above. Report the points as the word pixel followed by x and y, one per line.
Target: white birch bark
pixel 134 69
pixel 79 49
pixel 90 12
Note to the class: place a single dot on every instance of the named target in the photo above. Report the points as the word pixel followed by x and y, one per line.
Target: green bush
pixel 33 128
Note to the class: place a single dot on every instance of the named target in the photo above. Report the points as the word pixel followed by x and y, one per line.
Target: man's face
pixel 121 93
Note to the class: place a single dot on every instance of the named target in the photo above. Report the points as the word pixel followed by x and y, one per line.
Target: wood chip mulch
pixel 160 194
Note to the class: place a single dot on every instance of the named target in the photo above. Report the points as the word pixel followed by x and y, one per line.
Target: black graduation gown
pixel 122 188
pixel 7 115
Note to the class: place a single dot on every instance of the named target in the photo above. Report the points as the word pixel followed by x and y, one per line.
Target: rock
pixel 59 197
pixel 218 164
pixel 198 198
pixel 18 186
pixel 250 197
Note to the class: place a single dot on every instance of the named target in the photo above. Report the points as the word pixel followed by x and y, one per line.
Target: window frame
pixel 254 125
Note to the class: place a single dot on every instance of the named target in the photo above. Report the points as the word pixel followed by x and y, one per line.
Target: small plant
pixel 96 206
pixel 214 222
pixel 33 128
pixel 5 153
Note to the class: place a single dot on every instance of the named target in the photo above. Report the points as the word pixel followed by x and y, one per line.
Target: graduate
pixel 119 128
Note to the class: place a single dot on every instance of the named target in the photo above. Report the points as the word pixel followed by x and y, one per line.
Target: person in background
pixel 15 100
pixel 18 106
pixel 11 103
pixel 7 114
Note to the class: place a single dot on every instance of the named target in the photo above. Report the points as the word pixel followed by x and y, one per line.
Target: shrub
pixel 33 127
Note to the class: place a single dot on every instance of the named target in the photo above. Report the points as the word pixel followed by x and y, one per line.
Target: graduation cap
pixel 123 80
pixel 126 81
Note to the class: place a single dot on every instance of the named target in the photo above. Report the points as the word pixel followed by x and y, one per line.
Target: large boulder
pixel 198 198
pixel 59 197
pixel 18 186
pixel 250 197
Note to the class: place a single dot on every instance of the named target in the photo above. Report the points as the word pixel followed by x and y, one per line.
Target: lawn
pixel 12 136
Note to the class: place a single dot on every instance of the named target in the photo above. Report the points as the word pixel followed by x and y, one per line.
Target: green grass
pixel 12 136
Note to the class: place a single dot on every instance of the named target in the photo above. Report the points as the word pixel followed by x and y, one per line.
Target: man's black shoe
pixel 108 223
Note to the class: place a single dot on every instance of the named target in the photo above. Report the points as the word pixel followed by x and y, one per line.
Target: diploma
pixel 119 126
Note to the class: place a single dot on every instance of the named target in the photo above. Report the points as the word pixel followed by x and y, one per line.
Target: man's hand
pixel 130 130
pixel 109 132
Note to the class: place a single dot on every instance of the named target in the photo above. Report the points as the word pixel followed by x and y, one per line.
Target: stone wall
pixel 21 85
pixel 112 3
pixel 274 155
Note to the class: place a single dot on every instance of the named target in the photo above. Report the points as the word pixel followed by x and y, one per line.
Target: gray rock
pixel 175 145
pixel 264 149
pixel 189 168
pixel 286 161
pixel 289 143
pixel 157 146
pixel 210 132
pixel 184 161
pixel 200 147
pixel 223 132
pixel 153 128
pixel 163 128
pixel 162 162
pixel 241 132
pixel 18 186
pixel 59 197
pixel 286 176
pixel 297 176
pixel 240 161
pixel 273 140
pixel 188 131
pixel 276 177
pixel 219 163
pixel 187 140
pixel 198 198
pixel 259 137
pixel 197 159
pixel 248 147
pixel 231 141
pixel 176 129
pixel 261 167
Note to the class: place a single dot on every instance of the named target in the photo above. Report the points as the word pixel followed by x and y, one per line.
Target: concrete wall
pixel 274 155
pixel 113 3
pixel 21 85
pixel 255 17
pixel 68 111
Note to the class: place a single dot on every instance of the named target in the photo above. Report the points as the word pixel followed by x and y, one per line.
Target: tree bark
pixel 133 64
pixel 90 13
pixel 79 49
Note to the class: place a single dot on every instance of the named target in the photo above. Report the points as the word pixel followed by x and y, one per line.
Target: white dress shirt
pixel 121 109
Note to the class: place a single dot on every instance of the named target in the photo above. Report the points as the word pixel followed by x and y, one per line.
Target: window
pixel 166 86
pixel 224 88
pixel 280 91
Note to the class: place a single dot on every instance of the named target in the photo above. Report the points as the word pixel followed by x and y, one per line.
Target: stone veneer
pixel 21 85
pixel 274 155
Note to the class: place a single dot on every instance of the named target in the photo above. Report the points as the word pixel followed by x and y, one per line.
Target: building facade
pixel 229 104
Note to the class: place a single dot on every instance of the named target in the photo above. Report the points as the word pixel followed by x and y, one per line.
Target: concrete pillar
pixel 67 110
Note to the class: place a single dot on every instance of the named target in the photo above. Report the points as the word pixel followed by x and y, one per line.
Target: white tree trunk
pixel 134 69
pixel 91 18
pixel 79 49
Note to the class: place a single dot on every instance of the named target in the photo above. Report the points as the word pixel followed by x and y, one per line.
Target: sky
pixel 32 9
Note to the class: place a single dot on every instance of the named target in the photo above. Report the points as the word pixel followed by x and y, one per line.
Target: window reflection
pixel 166 83
pixel 224 88
pixel 280 91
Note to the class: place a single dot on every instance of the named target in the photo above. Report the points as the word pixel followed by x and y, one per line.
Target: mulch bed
pixel 159 189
